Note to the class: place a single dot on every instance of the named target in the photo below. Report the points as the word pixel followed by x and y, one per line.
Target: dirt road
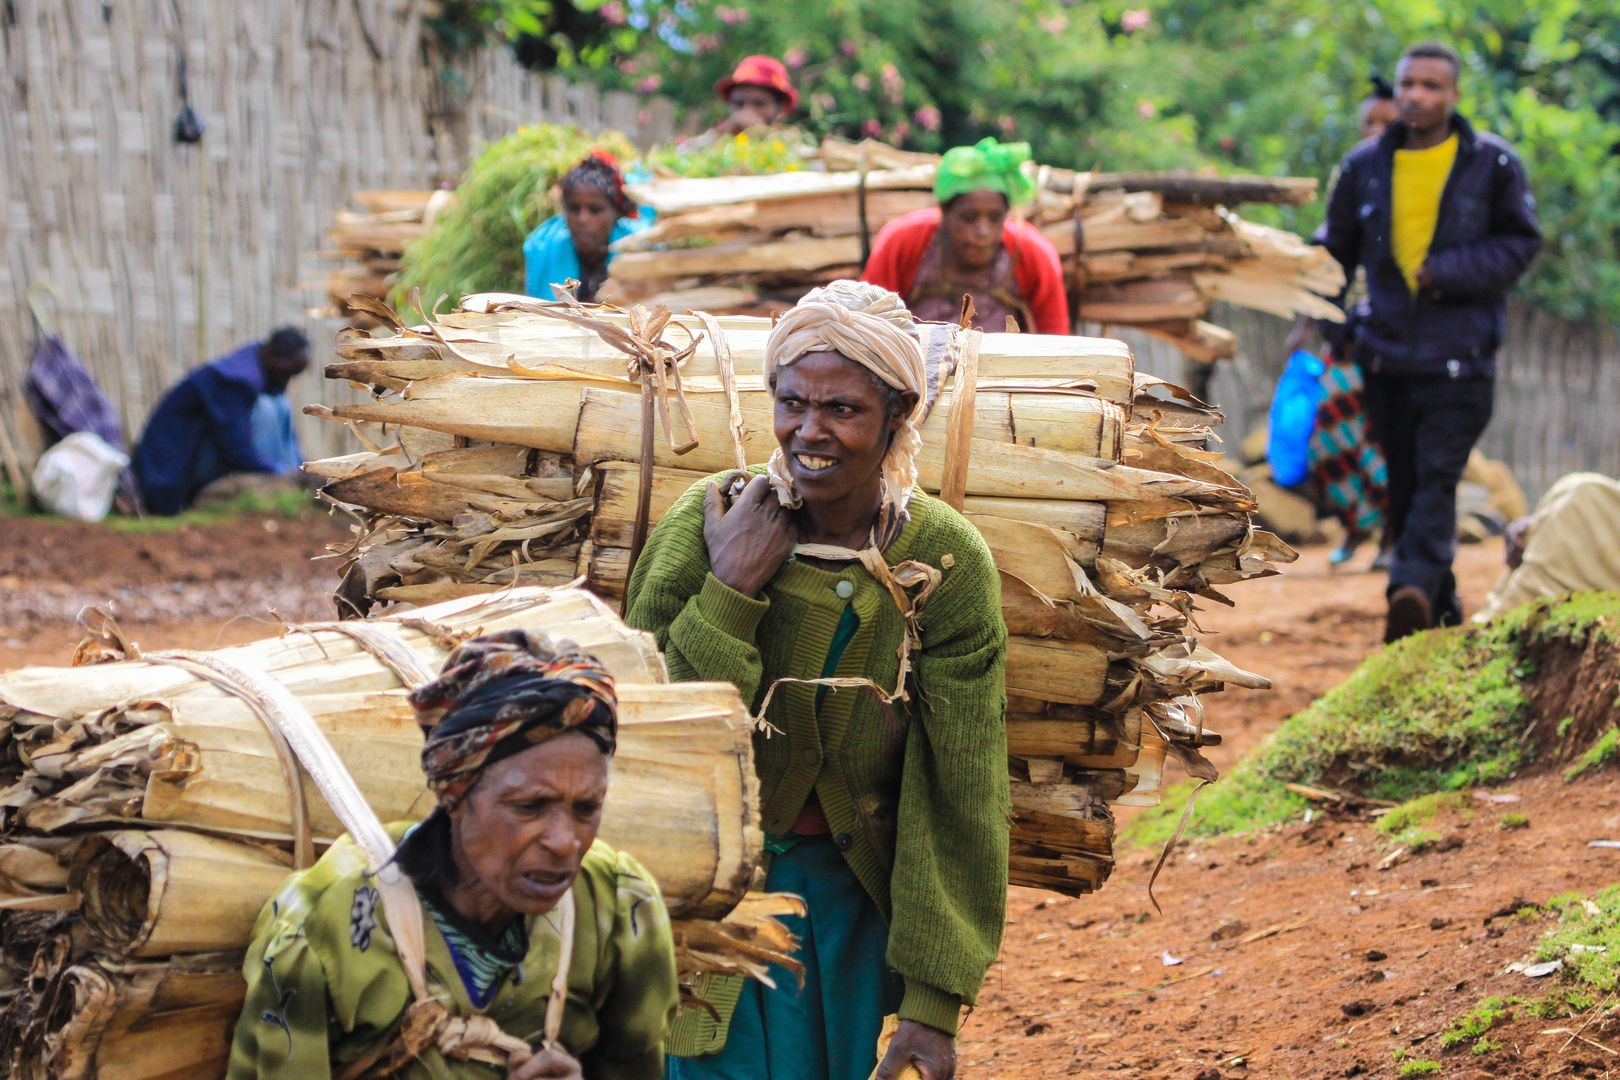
pixel 193 587
pixel 1105 987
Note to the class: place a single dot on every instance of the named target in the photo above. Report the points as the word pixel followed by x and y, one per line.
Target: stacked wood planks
pixel 515 457
pixel 369 247
pixel 1151 250
pixel 148 819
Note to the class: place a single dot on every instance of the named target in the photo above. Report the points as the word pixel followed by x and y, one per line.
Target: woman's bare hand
pixel 748 543
pixel 928 1050
pixel 547 1065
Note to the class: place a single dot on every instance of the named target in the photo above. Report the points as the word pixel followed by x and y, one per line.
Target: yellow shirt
pixel 1420 178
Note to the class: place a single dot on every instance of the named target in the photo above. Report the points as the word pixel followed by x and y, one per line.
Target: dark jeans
pixel 1426 426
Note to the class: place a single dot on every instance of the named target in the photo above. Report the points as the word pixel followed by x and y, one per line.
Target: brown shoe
pixel 1409 612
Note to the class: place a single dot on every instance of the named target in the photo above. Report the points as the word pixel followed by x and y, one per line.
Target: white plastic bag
pixel 77 477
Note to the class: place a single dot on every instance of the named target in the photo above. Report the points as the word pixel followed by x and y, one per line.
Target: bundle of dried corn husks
pixel 369 247
pixel 1154 249
pixel 1090 485
pixel 149 815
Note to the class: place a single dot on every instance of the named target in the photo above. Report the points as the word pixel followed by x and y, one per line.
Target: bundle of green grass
pixel 477 244
pixel 1437 712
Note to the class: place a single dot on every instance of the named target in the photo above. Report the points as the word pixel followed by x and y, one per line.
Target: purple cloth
pixel 64 397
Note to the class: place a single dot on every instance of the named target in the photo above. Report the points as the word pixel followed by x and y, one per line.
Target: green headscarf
pixel 989 166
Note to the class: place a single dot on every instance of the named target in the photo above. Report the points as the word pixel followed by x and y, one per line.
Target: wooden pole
pixel 959 431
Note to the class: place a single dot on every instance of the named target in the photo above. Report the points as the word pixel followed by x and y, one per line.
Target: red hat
pixel 766 71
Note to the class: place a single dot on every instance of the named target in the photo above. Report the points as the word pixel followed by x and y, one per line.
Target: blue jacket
pixel 203 425
pixel 1484 240
pixel 549 258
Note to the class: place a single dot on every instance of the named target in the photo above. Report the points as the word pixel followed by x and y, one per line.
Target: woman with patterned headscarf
pixel 574 244
pixel 520 735
pixel 862 619
pixel 969 245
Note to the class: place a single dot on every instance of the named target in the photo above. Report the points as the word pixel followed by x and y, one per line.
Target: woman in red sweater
pixel 1007 266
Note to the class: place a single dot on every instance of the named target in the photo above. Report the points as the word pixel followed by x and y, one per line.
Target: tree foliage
pixel 1267 86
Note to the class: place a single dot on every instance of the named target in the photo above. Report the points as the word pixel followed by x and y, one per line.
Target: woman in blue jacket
pixel 574 243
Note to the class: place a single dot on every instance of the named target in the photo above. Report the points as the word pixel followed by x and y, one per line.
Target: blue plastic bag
pixel 1293 418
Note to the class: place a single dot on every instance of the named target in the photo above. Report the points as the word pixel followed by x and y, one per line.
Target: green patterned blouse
pixel 325 985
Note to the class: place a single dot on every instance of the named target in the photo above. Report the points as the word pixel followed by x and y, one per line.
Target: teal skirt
pixel 828 1030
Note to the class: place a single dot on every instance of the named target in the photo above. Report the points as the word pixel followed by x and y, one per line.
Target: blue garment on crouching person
pixel 828 1029
pixel 203 429
pixel 549 257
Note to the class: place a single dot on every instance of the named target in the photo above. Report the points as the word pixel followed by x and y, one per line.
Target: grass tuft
pixel 1473 1026
pixel 1420 811
pixel 1587 938
pixel 1419 1067
pixel 1513 820
pixel 1599 754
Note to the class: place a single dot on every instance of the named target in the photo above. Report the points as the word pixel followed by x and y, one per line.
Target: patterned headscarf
pixel 600 170
pixel 988 166
pixel 503 693
pixel 871 326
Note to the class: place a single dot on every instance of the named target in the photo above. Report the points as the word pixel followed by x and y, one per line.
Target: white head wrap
pixel 871 326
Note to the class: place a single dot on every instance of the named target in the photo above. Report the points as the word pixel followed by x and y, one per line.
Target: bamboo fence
pixel 165 255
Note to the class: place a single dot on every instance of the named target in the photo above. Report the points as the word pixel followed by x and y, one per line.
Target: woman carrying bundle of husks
pixel 883 762
pixel 970 245
pixel 519 761
pixel 574 244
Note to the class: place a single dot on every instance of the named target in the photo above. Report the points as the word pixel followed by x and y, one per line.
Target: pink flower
pixel 1054 24
pixel 1135 19
pixel 628 66
pixel 901 130
pixel 872 129
pixel 1146 109
pixel 650 84
pixel 704 43
pixel 1007 124
pixel 824 102
pixel 614 13
pixel 849 48
pixel 1228 143
pixel 733 16
pixel 862 81
pixel 795 57
pixel 928 118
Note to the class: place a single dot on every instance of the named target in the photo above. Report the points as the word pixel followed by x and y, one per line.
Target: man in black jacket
pixel 1442 219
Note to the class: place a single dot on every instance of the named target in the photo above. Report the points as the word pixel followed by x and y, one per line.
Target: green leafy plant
pixel 762 150
pixel 1419 1067
pixel 1513 820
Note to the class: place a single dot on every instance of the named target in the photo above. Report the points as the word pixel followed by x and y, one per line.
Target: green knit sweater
pixel 915 792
